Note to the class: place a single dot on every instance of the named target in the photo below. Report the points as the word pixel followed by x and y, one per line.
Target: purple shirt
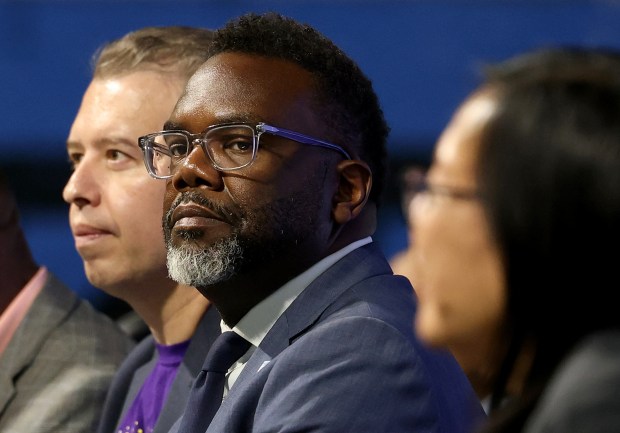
pixel 145 409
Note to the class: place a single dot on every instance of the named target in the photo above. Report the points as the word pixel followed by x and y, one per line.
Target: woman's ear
pixel 355 181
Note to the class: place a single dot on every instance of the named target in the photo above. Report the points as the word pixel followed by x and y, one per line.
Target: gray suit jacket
pixel 56 370
pixel 584 394
pixel 343 358
pixel 137 366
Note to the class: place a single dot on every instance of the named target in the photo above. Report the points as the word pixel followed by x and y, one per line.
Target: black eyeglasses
pixel 229 146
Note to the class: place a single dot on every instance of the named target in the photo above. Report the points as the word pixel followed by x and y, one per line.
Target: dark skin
pixel 241 87
pixel 17 266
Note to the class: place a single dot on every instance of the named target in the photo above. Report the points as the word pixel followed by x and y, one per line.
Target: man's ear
pixel 355 181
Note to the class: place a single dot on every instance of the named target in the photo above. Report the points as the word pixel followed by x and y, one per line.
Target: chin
pixel 428 332
pixel 113 285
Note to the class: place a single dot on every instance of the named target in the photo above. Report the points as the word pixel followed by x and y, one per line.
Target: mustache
pixel 223 212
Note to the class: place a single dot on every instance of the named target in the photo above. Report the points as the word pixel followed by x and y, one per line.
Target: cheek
pixel 460 277
pixel 169 195
pixel 289 179
pixel 147 193
pixel 141 206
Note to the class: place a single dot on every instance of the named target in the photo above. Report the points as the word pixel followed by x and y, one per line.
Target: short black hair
pixel 348 102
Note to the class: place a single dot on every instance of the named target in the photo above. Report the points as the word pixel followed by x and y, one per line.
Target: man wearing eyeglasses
pixel 274 158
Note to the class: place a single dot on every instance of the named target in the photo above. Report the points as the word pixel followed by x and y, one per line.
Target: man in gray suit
pixel 275 159
pixel 115 216
pixel 57 353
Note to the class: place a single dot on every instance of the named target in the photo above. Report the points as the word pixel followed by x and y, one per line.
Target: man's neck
pixel 175 318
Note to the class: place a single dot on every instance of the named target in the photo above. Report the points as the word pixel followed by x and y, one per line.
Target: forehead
pixel 238 86
pixel 457 149
pixel 128 105
pixel 134 94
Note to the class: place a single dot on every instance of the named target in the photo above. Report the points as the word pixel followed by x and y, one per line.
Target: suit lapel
pixel 49 309
pixel 362 263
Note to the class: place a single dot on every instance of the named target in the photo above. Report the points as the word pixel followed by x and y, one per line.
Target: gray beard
pixel 205 267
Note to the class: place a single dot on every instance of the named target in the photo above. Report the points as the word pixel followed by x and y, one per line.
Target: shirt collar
pixel 259 320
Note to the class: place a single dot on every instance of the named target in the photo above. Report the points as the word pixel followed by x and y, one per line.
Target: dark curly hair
pixel 346 97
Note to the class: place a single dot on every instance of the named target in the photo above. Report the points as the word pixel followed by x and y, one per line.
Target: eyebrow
pixel 72 144
pixel 102 143
pixel 169 125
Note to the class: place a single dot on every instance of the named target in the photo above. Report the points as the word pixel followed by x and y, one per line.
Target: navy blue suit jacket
pixel 136 367
pixel 344 358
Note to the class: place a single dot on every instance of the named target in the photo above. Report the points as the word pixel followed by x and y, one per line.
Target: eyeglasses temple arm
pixel 301 138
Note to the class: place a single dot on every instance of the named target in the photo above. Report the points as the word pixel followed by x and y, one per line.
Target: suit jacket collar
pixel 309 306
pixel 321 293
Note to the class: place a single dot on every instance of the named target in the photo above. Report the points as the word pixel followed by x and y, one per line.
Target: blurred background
pixel 423 56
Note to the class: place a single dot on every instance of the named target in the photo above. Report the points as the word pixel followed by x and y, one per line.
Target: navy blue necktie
pixel 208 390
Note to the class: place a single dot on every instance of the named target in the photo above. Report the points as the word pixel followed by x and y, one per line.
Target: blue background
pixel 424 57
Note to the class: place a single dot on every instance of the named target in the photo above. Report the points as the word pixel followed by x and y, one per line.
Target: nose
pixel 197 171
pixel 81 188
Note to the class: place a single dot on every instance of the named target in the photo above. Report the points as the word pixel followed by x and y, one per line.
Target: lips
pixel 82 230
pixel 89 239
pixel 194 215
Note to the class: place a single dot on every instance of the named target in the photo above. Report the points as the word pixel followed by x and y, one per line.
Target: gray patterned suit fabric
pixel 343 358
pixel 56 370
